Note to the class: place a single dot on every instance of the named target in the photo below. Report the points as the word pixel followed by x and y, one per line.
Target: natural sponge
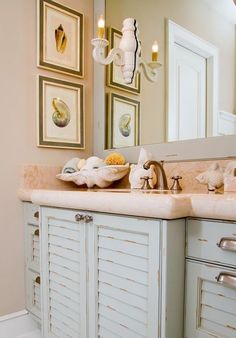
pixel 115 159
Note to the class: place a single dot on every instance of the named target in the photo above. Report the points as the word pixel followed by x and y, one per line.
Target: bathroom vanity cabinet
pixel 210 279
pixel 116 276
pixel 110 276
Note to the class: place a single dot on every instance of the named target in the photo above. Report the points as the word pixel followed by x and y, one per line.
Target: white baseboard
pixel 17 324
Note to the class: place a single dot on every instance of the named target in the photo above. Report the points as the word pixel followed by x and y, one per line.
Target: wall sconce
pixel 128 55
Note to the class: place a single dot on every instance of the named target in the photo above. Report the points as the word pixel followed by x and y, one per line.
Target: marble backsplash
pixel 44 177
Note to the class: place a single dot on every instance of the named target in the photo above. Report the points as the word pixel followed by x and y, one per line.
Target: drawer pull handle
pixel 36 233
pixel 37 280
pixel 227 244
pixel 79 217
pixel 226 278
pixel 36 214
pixel 88 218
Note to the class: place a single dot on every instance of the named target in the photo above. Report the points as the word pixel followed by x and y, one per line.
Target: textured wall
pixel 18 73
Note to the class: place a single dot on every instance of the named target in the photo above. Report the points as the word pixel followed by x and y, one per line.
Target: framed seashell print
pixel 122 121
pixel 60 114
pixel 60 38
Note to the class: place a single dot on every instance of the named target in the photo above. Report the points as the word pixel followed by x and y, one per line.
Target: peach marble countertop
pixel 152 203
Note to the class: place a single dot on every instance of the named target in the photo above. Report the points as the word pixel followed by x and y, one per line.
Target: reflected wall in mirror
pixel 187 101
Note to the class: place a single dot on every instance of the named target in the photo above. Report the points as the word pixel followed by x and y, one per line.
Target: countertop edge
pixel 169 206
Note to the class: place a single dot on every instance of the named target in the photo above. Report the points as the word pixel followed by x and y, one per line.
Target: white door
pixel 188 118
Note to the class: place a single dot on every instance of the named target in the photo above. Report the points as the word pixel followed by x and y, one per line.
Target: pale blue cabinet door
pixel 210 306
pixel 63 269
pixel 124 283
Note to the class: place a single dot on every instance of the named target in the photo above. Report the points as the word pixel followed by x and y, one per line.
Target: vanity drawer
pixel 33 301
pixel 210 300
pixel 212 241
pixel 31 212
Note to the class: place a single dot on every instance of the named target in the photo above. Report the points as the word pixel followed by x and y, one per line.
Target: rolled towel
pixel 71 166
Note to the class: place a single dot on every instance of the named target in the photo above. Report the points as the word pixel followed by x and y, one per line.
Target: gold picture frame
pixel 122 121
pixel 60 114
pixel 60 38
pixel 114 75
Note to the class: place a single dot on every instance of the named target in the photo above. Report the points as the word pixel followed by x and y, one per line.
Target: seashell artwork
pixel 213 177
pixel 124 125
pixel 61 115
pixel 61 39
pixel 101 177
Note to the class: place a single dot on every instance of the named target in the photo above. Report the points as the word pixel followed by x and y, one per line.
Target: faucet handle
pixel 146 184
pixel 176 185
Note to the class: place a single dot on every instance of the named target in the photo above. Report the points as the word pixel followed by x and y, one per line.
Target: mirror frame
pixel 195 149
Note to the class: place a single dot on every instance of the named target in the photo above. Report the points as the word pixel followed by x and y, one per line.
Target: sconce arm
pixel 115 54
pixel 150 69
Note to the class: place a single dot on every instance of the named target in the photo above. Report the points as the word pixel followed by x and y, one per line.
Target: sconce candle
pixel 155 49
pixel 101 27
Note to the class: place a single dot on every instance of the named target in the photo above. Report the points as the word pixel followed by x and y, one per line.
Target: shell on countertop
pixel 101 177
pixel 230 169
pixel 136 175
pixel 213 177
pixel 137 171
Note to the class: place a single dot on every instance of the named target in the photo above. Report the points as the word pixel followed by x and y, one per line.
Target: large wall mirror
pixel 190 112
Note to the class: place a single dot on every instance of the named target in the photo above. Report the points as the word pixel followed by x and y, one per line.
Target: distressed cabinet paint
pixel 64 274
pixel 210 279
pixel 111 276
pixel 32 259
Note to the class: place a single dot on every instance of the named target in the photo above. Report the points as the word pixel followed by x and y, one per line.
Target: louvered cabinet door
pixel 210 305
pixel 125 284
pixel 63 255
pixel 33 293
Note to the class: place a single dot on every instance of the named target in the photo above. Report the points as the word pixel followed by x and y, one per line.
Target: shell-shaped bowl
pixel 101 177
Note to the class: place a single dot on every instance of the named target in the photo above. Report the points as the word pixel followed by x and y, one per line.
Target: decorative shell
pixel 137 171
pixel 61 115
pixel 61 39
pixel 230 169
pixel 101 177
pixel 136 175
pixel 213 177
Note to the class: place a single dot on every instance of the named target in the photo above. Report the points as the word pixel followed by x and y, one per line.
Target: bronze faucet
pixel 160 173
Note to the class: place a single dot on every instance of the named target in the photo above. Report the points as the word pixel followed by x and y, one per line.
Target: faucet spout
pixel 160 173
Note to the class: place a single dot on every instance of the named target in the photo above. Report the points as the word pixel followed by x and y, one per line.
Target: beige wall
pixel 18 95
pixel 196 16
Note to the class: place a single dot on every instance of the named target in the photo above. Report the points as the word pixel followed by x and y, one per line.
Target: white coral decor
pixel 213 177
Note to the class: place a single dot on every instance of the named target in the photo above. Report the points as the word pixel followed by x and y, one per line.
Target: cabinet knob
pixel 88 218
pixel 36 214
pixel 227 279
pixel 36 233
pixel 227 244
pixel 37 280
pixel 79 217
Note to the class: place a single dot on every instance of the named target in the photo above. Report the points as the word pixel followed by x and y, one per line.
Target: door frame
pixel 176 34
